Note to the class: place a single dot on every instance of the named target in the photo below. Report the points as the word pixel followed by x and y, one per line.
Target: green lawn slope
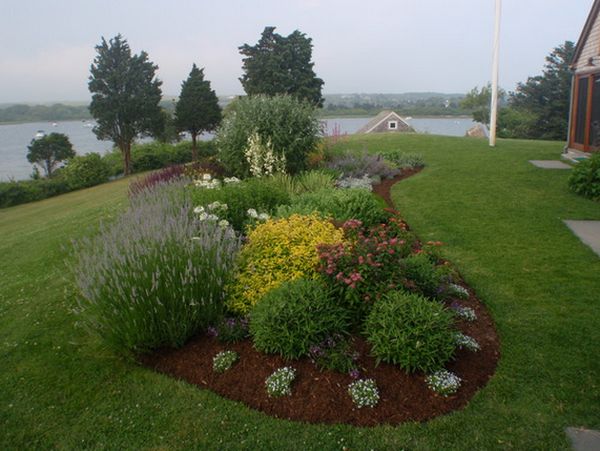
pixel 501 220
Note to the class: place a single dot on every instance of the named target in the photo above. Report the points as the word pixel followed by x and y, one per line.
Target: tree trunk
pixel 194 151
pixel 48 168
pixel 126 150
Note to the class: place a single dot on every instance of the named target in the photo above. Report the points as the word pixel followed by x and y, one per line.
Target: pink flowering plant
pixel 366 264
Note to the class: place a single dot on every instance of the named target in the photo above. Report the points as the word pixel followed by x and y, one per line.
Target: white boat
pixel 54 124
pixel 39 134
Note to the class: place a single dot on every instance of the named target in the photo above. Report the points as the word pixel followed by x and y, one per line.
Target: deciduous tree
pixel 197 110
pixel 49 151
pixel 125 95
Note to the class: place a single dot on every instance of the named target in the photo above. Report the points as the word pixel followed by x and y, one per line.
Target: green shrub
pixel 410 331
pixel 405 160
pixel 85 170
pixel 155 276
pixel 341 204
pixel 422 275
pixel 306 182
pixel 258 194
pixel 585 178
pixel 294 316
pixel 289 124
pixel 21 192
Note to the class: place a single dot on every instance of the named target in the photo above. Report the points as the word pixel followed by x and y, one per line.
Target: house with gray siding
pixel 386 121
pixel 584 119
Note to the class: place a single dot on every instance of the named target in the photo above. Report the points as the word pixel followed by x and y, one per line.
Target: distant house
pixel 386 121
pixel 584 119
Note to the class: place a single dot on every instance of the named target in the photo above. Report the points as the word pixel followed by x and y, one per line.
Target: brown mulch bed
pixel 322 396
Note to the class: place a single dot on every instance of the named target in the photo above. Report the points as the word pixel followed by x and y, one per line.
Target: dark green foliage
pixel 341 204
pixel 21 192
pixel 163 129
pixel 125 95
pixel 294 316
pixel 290 125
pixel 421 275
pixel 232 330
pixel 547 96
pixel 585 178
pixel 516 123
pixel 478 102
pixel 410 331
pixel 198 109
pixel 334 353
pixel 281 65
pixel 43 113
pixel 49 151
pixel 259 194
pixel 84 171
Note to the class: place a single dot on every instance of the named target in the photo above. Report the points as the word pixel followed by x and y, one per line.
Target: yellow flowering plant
pixel 277 251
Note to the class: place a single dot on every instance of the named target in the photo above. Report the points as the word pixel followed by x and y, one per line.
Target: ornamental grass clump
pixel 156 275
pixel 411 331
pixel 293 316
pixel 277 251
pixel 364 393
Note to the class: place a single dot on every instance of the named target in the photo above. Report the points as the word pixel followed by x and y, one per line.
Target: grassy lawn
pixel 501 219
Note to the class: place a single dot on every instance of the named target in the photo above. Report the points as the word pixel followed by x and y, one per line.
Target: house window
pixel 392 125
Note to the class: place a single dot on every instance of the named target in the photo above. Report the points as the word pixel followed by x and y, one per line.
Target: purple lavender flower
pixel 354 373
pixel 212 331
pixel 316 351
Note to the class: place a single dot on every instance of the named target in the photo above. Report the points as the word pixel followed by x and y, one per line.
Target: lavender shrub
pixel 155 276
pixel 357 165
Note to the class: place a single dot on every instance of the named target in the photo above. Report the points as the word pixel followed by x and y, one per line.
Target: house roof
pixel 384 115
pixel 587 28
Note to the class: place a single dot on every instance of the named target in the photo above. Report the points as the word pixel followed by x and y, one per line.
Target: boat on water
pixel 39 134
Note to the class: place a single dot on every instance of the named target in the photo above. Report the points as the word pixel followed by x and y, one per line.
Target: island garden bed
pixel 321 396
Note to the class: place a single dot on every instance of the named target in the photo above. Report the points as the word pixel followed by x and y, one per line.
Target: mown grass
pixel 502 221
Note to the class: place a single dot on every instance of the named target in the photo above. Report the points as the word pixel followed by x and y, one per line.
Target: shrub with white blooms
pixel 207 181
pixel 224 360
pixel 466 342
pixel 459 291
pixel 280 382
pixel 466 313
pixel 443 382
pixel 364 393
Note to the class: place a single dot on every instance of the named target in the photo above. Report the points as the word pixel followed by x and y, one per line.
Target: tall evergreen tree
pixel 547 96
pixel 197 109
pixel 125 95
pixel 281 65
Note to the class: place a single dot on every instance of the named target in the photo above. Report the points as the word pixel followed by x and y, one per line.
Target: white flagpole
pixel 494 105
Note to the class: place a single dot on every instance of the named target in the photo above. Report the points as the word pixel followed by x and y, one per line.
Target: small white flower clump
pixel 364 393
pixel 280 382
pixel 466 313
pixel 255 215
pixel 207 181
pixel 224 360
pixel 459 291
pixel 216 205
pixel 443 382
pixel 231 180
pixel 262 158
pixel 364 182
pixel 464 341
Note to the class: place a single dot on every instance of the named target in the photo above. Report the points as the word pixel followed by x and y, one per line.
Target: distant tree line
pixel 43 113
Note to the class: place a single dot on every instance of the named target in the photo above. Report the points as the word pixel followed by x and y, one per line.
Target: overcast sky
pixel 385 46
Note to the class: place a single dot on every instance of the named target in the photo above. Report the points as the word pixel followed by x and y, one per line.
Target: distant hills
pixel 410 103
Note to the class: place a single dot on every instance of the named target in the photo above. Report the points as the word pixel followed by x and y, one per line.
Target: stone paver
pixel 550 164
pixel 584 439
pixel 588 232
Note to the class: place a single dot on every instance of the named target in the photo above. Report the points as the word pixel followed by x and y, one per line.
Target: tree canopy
pixel 125 95
pixel 479 100
pixel 49 151
pixel 547 96
pixel 281 65
pixel 198 107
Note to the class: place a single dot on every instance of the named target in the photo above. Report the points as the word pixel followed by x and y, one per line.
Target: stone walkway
pixel 584 439
pixel 550 164
pixel 586 231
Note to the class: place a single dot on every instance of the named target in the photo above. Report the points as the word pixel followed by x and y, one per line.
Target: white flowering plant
pixel 466 313
pixel 280 382
pixel 364 393
pixel 459 291
pixel 224 360
pixel 364 182
pixel 465 342
pixel 207 181
pixel 262 158
pixel 443 382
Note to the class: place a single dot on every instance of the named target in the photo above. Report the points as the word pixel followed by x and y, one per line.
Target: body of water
pixel 14 138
